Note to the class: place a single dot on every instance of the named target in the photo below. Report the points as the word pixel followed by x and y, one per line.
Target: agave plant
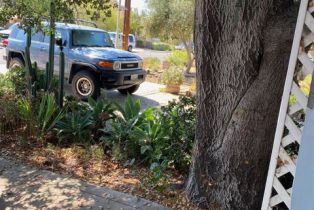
pixel 101 112
pixel 75 127
pixel 125 129
pixel 49 113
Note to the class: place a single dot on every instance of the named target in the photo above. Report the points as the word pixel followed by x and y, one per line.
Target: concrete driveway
pixel 149 94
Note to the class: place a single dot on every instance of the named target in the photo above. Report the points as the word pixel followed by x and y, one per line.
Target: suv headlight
pixel 140 64
pixel 116 65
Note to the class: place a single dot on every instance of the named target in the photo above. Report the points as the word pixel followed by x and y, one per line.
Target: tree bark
pixel 242 54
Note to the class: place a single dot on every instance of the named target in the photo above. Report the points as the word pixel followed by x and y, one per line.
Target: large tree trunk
pixel 242 53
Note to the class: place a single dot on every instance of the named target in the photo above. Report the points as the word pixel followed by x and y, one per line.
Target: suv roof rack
pixel 77 21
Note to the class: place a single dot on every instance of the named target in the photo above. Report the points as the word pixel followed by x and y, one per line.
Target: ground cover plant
pixel 93 140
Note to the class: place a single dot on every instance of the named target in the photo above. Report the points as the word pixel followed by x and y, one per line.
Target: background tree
pixel 137 22
pixel 104 21
pixel 242 53
pixel 109 23
pixel 32 13
pixel 173 19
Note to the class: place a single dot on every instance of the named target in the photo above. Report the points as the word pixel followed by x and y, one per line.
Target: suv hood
pixel 106 53
pixel 7 31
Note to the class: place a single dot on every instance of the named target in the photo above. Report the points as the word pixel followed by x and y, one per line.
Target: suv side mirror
pixel 59 42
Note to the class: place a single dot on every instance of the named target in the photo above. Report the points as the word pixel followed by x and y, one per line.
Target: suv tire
pixel 129 90
pixel 130 48
pixel 16 63
pixel 85 85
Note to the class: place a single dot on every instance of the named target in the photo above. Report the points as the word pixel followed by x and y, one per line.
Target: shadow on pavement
pixel 23 187
pixel 149 94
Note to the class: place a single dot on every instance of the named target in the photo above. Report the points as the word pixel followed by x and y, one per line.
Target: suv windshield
pixel 85 38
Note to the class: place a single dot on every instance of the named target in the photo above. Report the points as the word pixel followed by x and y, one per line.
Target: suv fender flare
pixel 14 54
pixel 77 66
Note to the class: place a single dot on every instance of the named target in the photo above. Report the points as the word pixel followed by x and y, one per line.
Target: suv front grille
pixel 129 65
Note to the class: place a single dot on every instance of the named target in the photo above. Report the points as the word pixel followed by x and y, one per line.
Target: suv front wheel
pixel 85 85
pixel 129 90
pixel 16 63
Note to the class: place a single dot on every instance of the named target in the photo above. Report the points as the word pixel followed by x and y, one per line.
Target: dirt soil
pixel 102 171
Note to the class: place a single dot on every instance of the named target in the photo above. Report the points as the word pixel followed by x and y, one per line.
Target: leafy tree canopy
pixel 31 13
pixel 171 19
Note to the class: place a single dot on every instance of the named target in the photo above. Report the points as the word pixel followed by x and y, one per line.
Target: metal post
pixel 126 28
pixel 118 25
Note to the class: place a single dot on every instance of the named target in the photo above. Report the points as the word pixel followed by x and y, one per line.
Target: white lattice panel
pixel 288 136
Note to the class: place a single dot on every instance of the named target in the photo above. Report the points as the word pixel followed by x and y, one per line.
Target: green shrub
pixel 81 122
pixel 73 104
pixel 74 127
pixel 6 85
pixel 125 139
pixel 179 117
pixel 152 64
pixel 41 81
pixel 144 44
pixel 178 58
pixel 155 137
pixel 161 46
pixel 152 134
pixel 172 76
pixel 25 110
pixel 48 113
pixel 101 112
pixel 10 119
pixel 18 79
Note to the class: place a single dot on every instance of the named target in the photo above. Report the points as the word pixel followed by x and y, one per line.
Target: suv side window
pixel 39 37
pixel 14 31
pixel 20 35
pixel 59 33
pixel 17 33
pixel 131 38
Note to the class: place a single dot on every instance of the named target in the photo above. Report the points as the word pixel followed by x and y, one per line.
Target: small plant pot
pixel 174 89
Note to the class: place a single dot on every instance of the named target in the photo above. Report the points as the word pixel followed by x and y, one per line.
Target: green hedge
pixel 161 46
pixel 178 58
pixel 153 45
pixel 144 44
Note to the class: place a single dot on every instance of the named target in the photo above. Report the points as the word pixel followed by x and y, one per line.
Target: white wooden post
pixel 285 121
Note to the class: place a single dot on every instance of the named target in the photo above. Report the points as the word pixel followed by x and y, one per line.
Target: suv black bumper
pixel 116 79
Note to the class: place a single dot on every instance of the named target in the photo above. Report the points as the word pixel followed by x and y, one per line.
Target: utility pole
pixel 126 28
pixel 118 26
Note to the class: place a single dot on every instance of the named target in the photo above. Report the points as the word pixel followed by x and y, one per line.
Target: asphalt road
pixel 144 53
pixel 149 93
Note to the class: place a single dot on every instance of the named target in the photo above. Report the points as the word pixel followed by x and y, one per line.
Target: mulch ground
pixel 102 171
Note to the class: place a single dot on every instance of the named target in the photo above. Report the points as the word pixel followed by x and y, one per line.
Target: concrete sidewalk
pixel 24 187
